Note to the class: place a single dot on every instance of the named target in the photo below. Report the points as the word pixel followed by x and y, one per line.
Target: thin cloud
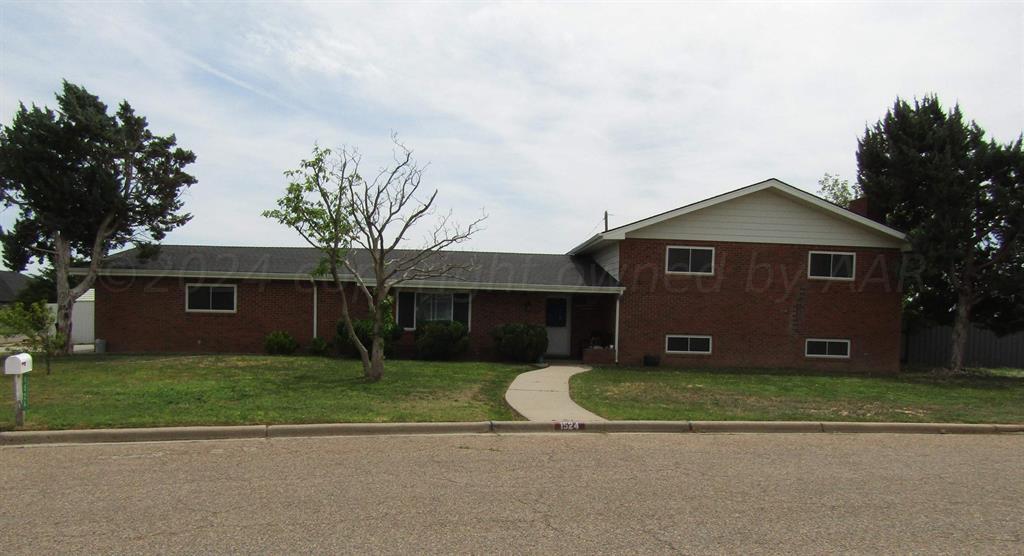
pixel 544 115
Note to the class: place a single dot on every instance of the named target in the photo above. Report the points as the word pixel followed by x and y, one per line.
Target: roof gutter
pixel 423 284
pixel 585 245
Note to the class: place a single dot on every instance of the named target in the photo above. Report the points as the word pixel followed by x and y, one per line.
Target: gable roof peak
pixel 775 184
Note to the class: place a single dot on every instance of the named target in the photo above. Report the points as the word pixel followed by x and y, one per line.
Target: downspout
pixel 313 281
pixel 618 298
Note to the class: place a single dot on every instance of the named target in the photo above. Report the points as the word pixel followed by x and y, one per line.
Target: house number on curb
pixel 568 426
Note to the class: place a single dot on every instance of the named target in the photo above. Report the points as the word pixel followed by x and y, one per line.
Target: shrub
pixel 319 346
pixel 35 323
pixel 364 328
pixel 520 342
pixel 280 343
pixel 441 340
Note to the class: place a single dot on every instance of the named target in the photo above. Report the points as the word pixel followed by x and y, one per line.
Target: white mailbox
pixel 18 364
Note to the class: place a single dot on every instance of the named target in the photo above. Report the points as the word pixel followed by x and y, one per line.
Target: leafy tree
pixel 43 286
pixel 960 198
pixel 838 191
pixel 85 182
pixel 335 209
pixel 35 323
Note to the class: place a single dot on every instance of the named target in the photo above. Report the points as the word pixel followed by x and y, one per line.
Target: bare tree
pixel 337 211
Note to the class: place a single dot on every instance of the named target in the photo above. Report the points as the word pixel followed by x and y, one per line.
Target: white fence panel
pixel 83 319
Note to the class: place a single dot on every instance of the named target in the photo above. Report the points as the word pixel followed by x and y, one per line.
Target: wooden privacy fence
pixel 931 346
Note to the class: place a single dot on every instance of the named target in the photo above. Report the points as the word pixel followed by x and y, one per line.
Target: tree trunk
pixel 961 327
pixel 376 370
pixel 66 295
pixel 377 360
pixel 364 356
pixel 61 264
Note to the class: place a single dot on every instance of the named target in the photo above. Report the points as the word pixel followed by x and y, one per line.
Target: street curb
pixel 911 428
pixel 88 436
pixel 365 429
pixel 640 426
pixel 755 426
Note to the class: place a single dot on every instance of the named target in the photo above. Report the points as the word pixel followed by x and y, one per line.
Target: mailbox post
pixel 18 365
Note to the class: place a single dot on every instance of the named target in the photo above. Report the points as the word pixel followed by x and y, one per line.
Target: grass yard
pixel 90 391
pixel 989 396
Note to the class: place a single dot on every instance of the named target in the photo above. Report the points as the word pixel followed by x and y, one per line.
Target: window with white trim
pixel 680 343
pixel 211 298
pixel 419 307
pixel 681 259
pixel 827 347
pixel 831 265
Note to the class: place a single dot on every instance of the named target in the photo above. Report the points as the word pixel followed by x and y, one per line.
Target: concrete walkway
pixel 543 395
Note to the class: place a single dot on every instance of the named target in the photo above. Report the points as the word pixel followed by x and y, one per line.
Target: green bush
pixel 34 322
pixel 364 329
pixel 279 342
pixel 441 340
pixel 319 346
pixel 520 342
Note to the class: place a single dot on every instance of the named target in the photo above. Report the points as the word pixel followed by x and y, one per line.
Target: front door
pixel 558 322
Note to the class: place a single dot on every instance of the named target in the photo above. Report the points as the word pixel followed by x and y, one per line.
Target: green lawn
pixel 984 397
pixel 87 391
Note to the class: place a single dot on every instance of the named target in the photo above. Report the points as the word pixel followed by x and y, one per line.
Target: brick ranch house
pixel 763 276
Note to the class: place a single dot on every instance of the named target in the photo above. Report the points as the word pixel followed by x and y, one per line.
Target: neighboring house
pixel 764 276
pixel 11 284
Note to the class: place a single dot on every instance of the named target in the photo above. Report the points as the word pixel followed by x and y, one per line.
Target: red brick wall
pixel 759 307
pixel 329 308
pixel 148 314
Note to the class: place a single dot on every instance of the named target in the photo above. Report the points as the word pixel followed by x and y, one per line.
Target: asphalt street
pixel 537 493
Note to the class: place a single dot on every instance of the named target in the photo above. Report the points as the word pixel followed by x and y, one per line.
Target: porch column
pixel 313 280
pixel 618 297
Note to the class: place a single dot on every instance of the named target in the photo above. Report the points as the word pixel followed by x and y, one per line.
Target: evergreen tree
pixel 85 182
pixel 960 198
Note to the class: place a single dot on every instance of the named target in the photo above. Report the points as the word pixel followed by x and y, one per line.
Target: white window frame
pixel 853 267
pixel 807 345
pixel 234 288
pixel 668 248
pixel 711 344
pixel 416 307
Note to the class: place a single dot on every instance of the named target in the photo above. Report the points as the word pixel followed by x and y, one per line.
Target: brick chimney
pixel 863 207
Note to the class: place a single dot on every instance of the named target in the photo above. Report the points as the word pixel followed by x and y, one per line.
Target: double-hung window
pixel 211 298
pixel 827 265
pixel 415 308
pixel 689 260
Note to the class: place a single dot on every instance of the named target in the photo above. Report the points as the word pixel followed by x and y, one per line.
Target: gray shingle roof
pixel 489 270
pixel 11 283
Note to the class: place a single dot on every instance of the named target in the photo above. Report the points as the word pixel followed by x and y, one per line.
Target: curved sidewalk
pixel 543 395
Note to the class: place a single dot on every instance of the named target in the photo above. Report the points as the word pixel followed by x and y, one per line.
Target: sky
pixel 541 116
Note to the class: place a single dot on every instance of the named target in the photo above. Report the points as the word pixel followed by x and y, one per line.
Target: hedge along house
pixel 764 276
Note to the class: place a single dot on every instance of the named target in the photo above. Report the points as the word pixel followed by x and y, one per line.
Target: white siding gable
pixel 764 216
pixel 608 259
